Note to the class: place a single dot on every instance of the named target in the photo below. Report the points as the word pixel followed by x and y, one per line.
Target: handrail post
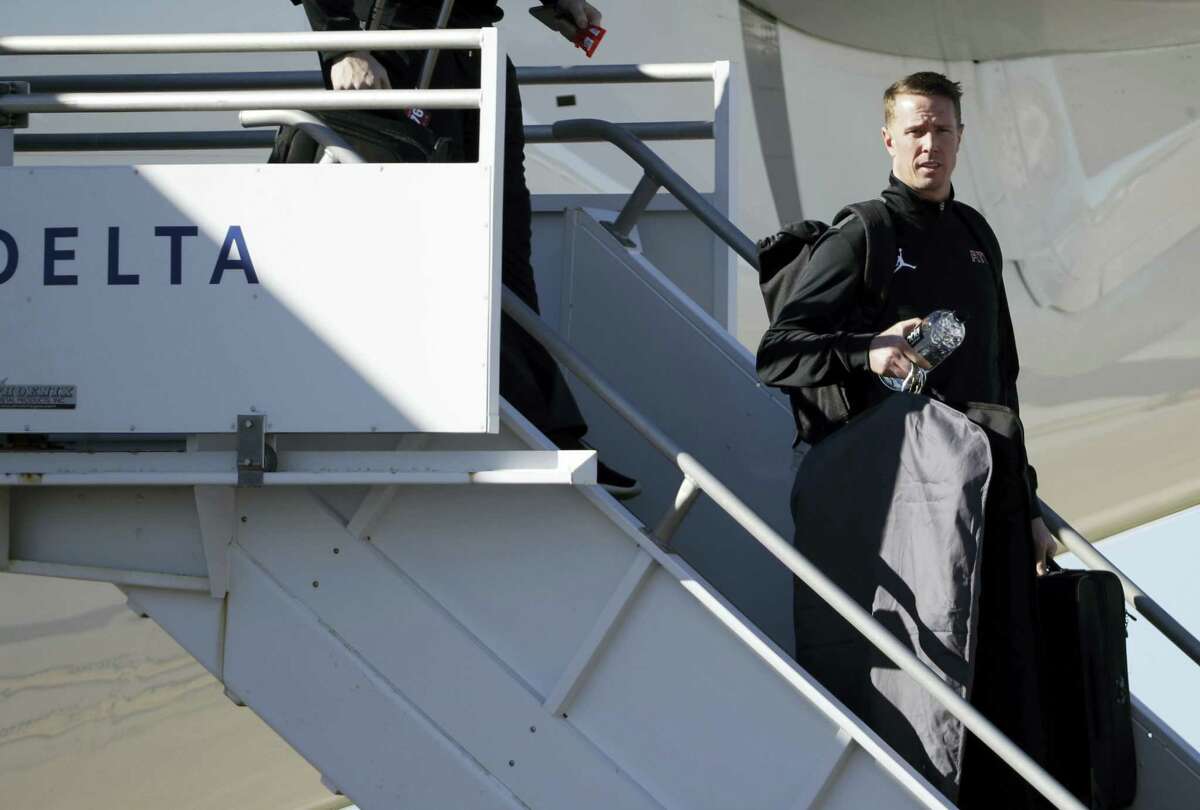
pixel 635 206
pixel 725 261
pixel 1090 556
pixel 654 165
pixel 11 121
pixel 664 532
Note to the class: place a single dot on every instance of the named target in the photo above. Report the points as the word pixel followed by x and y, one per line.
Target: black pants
pixel 529 378
pixel 1007 688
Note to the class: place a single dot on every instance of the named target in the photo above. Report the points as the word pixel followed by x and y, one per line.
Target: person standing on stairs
pixel 529 378
pixel 892 504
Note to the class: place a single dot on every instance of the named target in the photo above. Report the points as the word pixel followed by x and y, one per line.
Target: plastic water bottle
pixel 935 338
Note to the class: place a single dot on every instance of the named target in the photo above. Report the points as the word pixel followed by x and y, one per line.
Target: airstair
pixel 289 451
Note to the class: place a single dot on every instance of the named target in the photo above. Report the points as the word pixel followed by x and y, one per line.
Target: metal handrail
pixel 657 173
pixel 237 139
pixel 461 39
pixel 618 74
pixel 150 82
pixel 142 141
pixel 237 100
pixel 1090 556
pixel 795 562
pixel 642 130
pixel 312 79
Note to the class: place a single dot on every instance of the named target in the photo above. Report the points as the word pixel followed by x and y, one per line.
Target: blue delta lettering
pixel 58 254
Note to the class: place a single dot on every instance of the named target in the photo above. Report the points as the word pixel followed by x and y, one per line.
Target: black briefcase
pixel 1086 678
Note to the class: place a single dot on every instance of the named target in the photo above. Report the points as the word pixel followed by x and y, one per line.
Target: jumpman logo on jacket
pixel 901 264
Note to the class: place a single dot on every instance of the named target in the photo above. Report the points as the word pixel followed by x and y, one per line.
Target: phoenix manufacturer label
pixel 40 397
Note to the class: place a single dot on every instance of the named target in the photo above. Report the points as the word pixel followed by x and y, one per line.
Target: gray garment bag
pixel 891 507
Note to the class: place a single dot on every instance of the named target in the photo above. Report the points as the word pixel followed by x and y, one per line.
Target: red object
pixel 588 39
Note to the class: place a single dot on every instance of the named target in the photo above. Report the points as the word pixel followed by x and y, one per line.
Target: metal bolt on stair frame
pixel 251 449
pixel 14 120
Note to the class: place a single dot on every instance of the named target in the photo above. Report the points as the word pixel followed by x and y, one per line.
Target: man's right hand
pixel 358 70
pixel 890 355
pixel 579 12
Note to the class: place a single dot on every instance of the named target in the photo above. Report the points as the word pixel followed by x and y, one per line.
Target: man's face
pixel 923 139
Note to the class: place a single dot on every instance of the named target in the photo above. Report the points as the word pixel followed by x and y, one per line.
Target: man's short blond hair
pixel 926 83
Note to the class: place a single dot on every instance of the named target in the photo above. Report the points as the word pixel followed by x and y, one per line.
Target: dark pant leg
pixel 529 378
pixel 1006 686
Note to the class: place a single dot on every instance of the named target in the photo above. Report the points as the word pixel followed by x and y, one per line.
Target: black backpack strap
pixel 880 252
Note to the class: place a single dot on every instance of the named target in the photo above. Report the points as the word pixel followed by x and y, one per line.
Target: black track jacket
pixel 943 262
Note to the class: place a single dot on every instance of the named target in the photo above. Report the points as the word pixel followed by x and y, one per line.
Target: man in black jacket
pixel 529 378
pixel 940 264
pixel 944 256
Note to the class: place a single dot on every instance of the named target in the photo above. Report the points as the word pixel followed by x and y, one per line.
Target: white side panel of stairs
pixel 514 646
pixel 336 709
pixel 697 383
pixel 455 622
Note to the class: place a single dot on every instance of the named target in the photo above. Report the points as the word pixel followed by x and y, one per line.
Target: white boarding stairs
pixel 383 561
pixel 484 628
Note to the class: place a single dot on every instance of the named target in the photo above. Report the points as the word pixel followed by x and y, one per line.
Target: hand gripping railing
pixel 698 479
pixel 1135 596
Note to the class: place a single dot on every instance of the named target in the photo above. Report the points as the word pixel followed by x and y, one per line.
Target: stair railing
pixel 697 479
pixel 1091 557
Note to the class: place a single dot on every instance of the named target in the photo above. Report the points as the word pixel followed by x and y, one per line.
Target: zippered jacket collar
pixel 908 204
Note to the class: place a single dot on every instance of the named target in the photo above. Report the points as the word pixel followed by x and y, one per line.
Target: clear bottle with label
pixel 935 338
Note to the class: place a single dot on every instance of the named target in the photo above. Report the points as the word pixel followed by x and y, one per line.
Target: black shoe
pixel 621 487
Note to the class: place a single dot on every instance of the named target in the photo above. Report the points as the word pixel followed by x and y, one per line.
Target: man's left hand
pixel 1044 545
